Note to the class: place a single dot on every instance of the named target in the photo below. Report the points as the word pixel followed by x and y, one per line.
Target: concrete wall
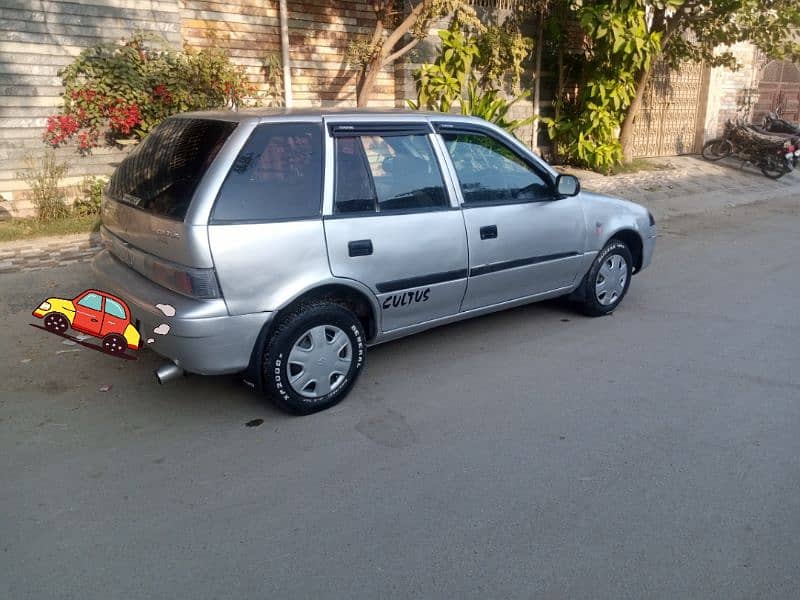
pixel 730 91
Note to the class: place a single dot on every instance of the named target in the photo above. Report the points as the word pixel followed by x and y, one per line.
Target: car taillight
pixel 197 283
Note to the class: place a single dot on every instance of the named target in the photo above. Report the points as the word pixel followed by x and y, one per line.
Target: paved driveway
pixel 530 454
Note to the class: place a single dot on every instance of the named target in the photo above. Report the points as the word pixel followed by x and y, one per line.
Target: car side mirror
pixel 567 185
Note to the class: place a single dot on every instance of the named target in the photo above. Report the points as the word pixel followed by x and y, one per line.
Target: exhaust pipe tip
pixel 167 372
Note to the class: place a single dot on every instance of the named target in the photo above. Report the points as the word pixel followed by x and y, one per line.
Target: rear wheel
pixel 314 357
pixel 607 281
pixel 717 149
pixel 114 343
pixel 56 322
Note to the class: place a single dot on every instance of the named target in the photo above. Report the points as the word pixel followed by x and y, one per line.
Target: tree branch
pixel 380 15
pixel 395 55
pixel 405 26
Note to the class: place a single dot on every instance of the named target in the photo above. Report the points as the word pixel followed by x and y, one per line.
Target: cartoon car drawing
pixel 93 312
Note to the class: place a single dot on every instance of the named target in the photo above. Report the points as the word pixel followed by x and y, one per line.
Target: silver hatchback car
pixel 283 244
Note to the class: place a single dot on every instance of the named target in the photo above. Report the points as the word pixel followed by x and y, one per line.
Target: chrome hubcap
pixel 319 361
pixel 611 279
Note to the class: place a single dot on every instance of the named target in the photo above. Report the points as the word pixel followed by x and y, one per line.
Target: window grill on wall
pixel 495 4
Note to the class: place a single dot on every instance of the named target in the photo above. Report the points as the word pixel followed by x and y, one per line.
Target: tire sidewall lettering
pixel 280 376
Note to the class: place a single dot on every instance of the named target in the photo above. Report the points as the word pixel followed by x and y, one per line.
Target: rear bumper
pixel 201 337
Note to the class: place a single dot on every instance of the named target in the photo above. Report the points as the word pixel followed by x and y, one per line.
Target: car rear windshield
pixel 160 175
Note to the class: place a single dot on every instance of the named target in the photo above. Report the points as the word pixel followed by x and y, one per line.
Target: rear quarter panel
pixel 262 266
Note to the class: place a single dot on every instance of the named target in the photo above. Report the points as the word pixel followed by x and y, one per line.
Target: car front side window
pixel 92 301
pixel 491 173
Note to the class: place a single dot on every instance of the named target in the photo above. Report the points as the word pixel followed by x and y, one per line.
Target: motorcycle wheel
pixel 717 149
pixel 773 169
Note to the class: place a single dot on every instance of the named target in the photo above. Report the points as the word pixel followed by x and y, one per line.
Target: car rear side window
pixel 387 173
pixel 490 172
pixel 114 308
pixel 161 174
pixel 277 176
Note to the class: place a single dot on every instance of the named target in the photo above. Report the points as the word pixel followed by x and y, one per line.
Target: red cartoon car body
pixel 93 312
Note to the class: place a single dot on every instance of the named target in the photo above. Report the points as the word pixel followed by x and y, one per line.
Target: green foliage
pixel 88 203
pixel 502 50
pixel 273 80
pixel 440 85
pixel 491 106
pixel 43 177
pixel 462 74
pixel 125 89
pixel 619 48
pixel 696 29
pixel 21 229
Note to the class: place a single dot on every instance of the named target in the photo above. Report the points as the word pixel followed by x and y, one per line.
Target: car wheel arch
pixel 633 240
pixel 360 301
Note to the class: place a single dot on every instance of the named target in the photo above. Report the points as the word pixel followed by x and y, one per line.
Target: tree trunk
pixel 626 133
pixel 367 82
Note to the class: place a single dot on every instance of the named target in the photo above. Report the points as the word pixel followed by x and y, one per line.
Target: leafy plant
pixel 43 177
pixel 440 84
pixel 273 80
pixel 462 75
pixel 121 90
pixel 491 106
pixel 618 46
pixel 91 189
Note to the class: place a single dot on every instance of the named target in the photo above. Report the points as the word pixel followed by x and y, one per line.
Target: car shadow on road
pixel 201 397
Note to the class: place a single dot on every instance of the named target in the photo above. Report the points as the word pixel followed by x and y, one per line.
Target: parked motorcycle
pixel 773 123
pixel 774 155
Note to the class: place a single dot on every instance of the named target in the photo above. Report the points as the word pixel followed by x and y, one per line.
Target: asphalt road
pixel 530 454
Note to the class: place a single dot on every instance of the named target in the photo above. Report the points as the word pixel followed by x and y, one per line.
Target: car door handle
pixel 360 247
pixel 94 320
pixel 488 232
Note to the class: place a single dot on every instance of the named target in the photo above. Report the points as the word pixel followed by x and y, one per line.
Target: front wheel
pixel 607 281
pixel 717 149
pixel 773 168
pixel 56 322
pixel 314 357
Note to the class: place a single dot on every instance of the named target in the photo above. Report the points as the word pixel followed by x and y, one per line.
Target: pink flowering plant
pixel 118 91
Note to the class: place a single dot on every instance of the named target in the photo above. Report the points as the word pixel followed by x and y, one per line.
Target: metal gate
pixel 779 91
pixel 673 106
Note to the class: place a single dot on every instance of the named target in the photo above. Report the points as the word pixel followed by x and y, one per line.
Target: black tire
pixel 114 343
pixel 590 304
pixel 56 322
pixel 773 168
pixel 717 149
pixel 291 330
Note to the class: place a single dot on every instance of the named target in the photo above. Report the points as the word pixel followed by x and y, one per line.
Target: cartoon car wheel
pixel 114 343
pixel 56 323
